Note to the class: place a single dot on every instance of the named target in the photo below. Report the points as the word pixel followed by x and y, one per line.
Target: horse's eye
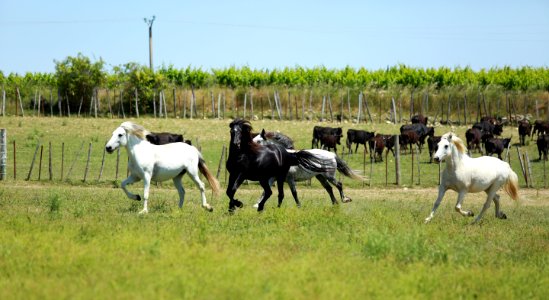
pixel 120 135
pixel 445 146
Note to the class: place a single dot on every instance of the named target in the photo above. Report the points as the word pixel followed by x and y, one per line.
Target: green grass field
pixel 74 239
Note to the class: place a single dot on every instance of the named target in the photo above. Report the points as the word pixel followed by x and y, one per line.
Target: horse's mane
pixel 454 139
pixel 135 129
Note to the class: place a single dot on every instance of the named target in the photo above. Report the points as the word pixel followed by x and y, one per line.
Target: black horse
pixel 250 161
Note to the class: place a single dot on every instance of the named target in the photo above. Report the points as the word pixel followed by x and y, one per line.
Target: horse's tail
pixel 511 186
pixel 344 169
pixel 310 161
pixel 211 179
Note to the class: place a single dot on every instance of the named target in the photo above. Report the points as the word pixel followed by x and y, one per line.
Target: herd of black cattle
pixel 484 133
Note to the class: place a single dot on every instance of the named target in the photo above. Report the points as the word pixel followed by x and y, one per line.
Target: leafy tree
pixel 77 77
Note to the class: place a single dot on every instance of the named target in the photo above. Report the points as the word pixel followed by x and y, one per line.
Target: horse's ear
pixel 450 137
pixel 262 133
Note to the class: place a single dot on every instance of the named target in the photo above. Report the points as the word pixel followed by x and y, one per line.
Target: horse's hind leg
pixel 465 213
pixel 499 214
pixel 194 176
pixel 271 182
pixel 280 185
pixel 327 186
pixel 331 178
pixel 491 193
pixel 291 182
pixel 179 186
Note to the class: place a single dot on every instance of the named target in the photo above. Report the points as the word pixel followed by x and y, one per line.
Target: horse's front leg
pixel 146 187
pixel 465 213
pixel 235 180
pixel 441 192
pixel 131 179
pixel 267 192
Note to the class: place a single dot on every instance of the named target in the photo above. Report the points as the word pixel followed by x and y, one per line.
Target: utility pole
pixel 150 22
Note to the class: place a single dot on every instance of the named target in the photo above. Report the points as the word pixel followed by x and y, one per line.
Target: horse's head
pixel 445 147
pixel 119 138
pixel 240 131
pixel 260 138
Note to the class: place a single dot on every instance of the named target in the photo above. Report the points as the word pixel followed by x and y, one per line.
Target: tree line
pixel 77 80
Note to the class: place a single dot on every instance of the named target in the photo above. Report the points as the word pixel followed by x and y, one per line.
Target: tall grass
pixel 76 240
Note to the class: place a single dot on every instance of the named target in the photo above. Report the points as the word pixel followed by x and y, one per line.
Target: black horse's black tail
pixel 344 169
pixel 310 162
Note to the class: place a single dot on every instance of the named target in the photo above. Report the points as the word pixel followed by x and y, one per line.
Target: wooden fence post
pixel 174 104
pixel 33 159
pixel 522 167
pixel 412 153
pixel 418 153
pixel 3 153
pixel 20 103
pixel 75 159
pixel 117 163
pixel 367 108
pixel 394 113
pixel 221 160
pixel 136 104
pixel 397 159
pixel 102 164
pixel 544 176
pixel 364 166
pixel 62 159
pixel 154 104
pixel 3 102
pixel 40 163
pixel 529 169
pixel 386 168
pixel 50 171
pixel 87 163
pixel 14 161
pixel 359 114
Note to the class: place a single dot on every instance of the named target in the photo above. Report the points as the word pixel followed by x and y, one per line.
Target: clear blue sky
pixel 275 34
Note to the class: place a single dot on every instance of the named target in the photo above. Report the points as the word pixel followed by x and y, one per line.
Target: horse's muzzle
pixel 109 149
pixel 437 160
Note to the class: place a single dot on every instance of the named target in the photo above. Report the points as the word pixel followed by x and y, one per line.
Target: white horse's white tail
pixel 511 186
pixel 211 179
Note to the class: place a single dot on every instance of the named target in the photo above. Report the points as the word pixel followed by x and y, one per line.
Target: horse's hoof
pixel 208 208
pixel 427 220
pixel 238 203
pixel 346 200
pixel 144 211
pixel 502 216
pixel 470 213
pixel 138 198
pixel 255 205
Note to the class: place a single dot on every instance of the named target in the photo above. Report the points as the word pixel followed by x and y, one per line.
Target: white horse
pixel 464 174
pixel 330 163
pixel 159 163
